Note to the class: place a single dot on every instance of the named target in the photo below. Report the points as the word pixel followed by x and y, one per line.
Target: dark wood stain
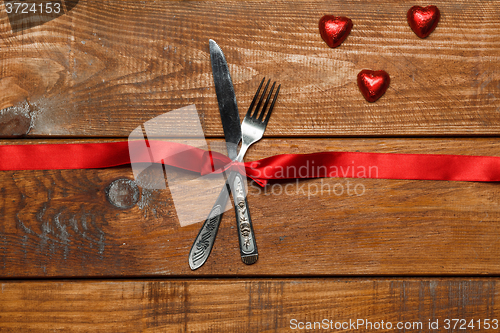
pixel 21 20
pixel 56 223
pixel 15 121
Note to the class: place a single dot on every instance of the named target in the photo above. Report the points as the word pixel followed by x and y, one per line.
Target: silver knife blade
pixel 230 118
pixel 226 98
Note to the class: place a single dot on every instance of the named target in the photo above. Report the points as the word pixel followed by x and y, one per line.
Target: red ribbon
pixel 286 166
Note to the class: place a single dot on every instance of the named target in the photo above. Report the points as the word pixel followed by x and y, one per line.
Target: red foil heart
pixel 334 30
pixel 373 84
pixel 422 20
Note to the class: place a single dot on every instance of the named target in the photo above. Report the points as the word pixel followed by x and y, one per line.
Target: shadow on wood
pixel 27 15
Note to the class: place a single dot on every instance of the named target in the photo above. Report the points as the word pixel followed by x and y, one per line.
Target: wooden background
pixel 74 257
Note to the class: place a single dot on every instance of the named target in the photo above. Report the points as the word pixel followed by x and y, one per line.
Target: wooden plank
pixel 65 224
pixel 249 305
pixel 106 67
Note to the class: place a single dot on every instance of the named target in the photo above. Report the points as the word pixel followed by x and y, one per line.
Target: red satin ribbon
pixel 286 166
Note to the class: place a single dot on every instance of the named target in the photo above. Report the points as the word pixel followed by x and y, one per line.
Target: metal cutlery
pixel 253 127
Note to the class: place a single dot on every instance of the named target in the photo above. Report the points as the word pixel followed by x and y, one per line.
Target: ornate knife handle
pixel 204 242
pixel 246 236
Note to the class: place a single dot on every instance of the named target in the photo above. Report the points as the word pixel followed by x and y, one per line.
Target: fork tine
pixel 255 99
pixel 267 102
pixel 260 100
pixel 272 105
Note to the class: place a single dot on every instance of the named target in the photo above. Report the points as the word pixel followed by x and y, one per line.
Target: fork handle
pixel 246 236
pixel 204 242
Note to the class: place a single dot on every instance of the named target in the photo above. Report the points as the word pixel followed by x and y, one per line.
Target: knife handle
pixel 204 242
pixel 246 236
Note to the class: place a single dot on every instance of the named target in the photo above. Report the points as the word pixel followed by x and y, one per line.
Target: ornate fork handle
pixel 246 236
pixel 253 127
pixel 205 240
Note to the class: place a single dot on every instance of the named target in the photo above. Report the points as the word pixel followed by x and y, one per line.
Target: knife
pixel 232 132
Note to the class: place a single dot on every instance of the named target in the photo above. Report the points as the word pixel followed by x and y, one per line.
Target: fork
pixel 252 127
pixel 252 130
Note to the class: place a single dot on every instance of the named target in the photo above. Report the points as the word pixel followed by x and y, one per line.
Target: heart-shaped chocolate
pixel 423 20
pixel 334 30
pixel 373 84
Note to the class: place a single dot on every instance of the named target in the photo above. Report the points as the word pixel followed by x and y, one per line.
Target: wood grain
pixel 64 223
pixel 106 67
pixel 243 305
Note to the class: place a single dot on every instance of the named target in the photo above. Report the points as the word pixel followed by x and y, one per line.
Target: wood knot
pixel 15 111
pixel 15 121
pixel 123 193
